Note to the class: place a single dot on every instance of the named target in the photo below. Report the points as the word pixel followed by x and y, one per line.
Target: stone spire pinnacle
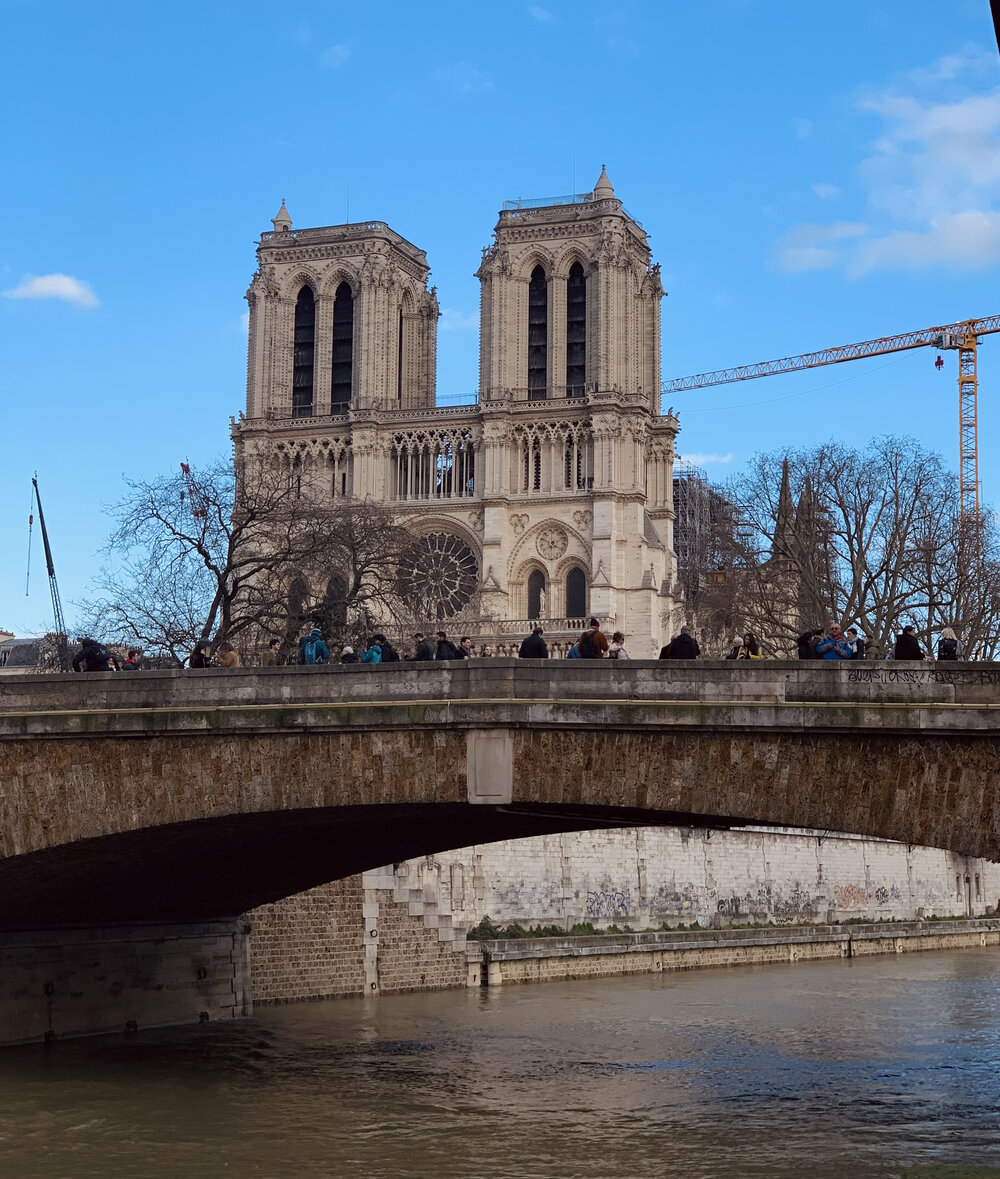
pixel 603 189
pixel 282 222
pixel 784 525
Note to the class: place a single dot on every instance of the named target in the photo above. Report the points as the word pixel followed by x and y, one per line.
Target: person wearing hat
pixel 312 649
pixel 425 649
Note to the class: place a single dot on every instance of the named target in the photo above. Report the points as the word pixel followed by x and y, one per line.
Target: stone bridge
pixel 194 796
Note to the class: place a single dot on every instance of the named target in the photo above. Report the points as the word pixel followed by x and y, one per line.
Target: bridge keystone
pixel 490 766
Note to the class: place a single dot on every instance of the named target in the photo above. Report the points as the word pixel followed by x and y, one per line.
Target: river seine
pixel 877 1067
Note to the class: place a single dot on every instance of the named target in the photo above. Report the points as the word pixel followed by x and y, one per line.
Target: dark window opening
pixel 576 594
pixel 536 587
pixel 343 350
pixel 576 331
pixel 538 335
pixel 303 354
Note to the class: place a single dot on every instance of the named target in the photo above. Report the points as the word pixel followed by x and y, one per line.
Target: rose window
pixel 437 576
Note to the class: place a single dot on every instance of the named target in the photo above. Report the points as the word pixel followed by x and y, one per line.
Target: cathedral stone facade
pixel 551 497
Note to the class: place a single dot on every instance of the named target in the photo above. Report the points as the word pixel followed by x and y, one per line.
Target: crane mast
pixel 61 635
pixel 962 337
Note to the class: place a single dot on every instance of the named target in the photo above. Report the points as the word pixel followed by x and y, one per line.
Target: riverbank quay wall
pixel 403 927
pixel 195 796
pixel 525 960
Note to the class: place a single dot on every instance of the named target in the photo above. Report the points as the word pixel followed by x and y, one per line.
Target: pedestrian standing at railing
pixel 534 646
pixel 617 648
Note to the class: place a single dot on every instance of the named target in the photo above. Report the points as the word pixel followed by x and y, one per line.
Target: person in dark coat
pixel 682 646
pixel 445 647
pixel 808 642
pixel 389 652
pixel 425 649
pixel 907 644
pixel 92 656
pixel 534 646
pixel 200 656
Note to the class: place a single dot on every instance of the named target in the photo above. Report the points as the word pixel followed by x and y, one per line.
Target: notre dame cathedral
pixel 551 497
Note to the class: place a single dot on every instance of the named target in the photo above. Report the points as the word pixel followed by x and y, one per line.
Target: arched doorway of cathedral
pixel 536 593
pixel 332 612
pixel 576 593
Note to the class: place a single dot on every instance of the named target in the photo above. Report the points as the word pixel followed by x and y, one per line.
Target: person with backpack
pixel 949 645
pixel 92 656
pixel 312 649
pixel 592 644
pixel 445 647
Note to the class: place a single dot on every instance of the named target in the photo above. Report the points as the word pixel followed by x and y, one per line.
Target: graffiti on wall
pixel 850 896
pixel 602 905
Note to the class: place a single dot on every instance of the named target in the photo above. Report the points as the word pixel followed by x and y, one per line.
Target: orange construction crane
pixel 962 337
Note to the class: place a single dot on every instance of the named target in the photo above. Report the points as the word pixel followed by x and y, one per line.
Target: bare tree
pixel 872 539
pixel 207 555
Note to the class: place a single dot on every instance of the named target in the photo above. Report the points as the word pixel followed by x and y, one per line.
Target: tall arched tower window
pixel 343 350
pixel 538 335
pixel 576 594
pixel 304 351
pixel 536 587
pixel 576 331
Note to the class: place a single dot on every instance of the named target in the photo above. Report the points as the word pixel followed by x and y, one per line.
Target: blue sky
pixel 809 175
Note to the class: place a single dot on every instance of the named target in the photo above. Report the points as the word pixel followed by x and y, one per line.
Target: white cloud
pixel 244 323
pixel 814 247
pixel 335 56
pixel 704 460
pixel 827 192
pixel 965 242
pixel 458 321
pixel 55 286
pixel 931 179
pixel 540 13
pixel 465 78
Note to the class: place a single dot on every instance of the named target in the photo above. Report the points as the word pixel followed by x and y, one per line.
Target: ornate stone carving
pixel 551 543
pixel 518 524
pixel 582 519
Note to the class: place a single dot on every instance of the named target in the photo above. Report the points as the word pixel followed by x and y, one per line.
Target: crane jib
pixel 951 335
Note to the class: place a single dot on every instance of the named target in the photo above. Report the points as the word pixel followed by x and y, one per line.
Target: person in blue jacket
pixel 834 646
pixel 374 653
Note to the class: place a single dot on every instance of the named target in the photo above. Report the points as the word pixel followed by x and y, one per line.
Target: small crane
pixel 62 639
pixel 961 337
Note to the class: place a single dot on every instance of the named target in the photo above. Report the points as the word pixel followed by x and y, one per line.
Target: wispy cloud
pixel 458 321
pixel 334 57
pixel 827 192
pixel 812 247
pixel 55 286
pixel 704 460
pixel 802 128
pixel 465 78
pixel 931 180
pixel 540 13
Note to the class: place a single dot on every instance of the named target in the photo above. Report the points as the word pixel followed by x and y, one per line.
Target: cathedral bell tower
pixel 340 319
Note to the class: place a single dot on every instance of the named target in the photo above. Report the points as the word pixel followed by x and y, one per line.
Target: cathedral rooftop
pixel 350 231
pixel 602 191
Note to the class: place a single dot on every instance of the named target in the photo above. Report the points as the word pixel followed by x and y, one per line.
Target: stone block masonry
pixel 62 983
pixel 364 935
